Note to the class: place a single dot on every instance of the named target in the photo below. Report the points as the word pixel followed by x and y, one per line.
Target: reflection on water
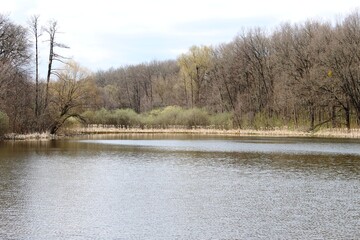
pixel 263 146
pixel 179 187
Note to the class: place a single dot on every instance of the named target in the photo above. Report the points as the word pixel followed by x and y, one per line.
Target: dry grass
pixel 328 133
pixel 29 136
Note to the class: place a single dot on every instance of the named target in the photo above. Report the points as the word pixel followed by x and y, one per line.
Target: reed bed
pixel 29 136
pixel 326 133
pixel 94 130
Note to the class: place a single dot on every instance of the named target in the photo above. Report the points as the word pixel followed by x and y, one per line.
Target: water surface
pixel 178 187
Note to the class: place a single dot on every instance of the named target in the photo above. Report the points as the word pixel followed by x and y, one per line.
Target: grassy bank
pixel 94 130
pixel 29 136
pixel 327 133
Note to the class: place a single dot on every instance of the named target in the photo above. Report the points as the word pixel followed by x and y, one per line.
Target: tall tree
pixel 52 30
pixel 225 77
pixel 14 85
pixel 298 53
pixel 35 30
pixel 195 66
pixel 256 50
pixel 345 58
pixel 72 93
pixel 14 46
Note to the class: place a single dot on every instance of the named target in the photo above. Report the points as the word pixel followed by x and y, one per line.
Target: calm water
pixel 180 188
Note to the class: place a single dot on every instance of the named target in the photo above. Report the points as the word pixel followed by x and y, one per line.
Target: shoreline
pixel 326 133
pixel 75 132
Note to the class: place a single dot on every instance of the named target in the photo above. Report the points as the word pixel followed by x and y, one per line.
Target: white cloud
pixel 7 6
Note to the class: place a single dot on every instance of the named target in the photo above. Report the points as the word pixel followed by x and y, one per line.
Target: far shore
pixel 73 132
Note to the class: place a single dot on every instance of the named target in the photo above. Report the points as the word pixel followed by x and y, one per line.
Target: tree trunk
pixel 185 92
pixel 37 111
pixel 333 116
pixel 55 127
pixel 312 118
pixel 347 114
pixel 295 118
pixel 51 55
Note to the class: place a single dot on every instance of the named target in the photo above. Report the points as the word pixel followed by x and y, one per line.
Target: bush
pixel 162 117
pixel 194 117
pixel 4 123
pixel 125 117
pixel 89 116
pixel 169 116
pixel 150 119
pixel 176 116
pixel 222 120
pixel 99 117
pixel 118 118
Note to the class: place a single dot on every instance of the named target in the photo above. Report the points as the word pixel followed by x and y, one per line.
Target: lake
pixel 180 187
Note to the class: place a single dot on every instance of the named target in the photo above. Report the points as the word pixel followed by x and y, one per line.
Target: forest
pixel 302 76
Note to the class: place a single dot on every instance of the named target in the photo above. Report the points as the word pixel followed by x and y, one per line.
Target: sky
pixel 113 33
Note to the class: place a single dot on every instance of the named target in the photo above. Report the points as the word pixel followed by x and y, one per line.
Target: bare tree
pixel 167 86
pixel 345 59
pixel 256 49
pixel 14 85
pixel 35 30
pixel 14 46
pixel 226 80
pixel 52 30
pixel 71 94
pixel 298 51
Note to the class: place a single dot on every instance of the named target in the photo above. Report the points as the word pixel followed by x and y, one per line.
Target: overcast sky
pixel 111 33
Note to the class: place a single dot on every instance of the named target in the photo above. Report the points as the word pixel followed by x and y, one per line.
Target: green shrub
pixel 160 118
pixel 89 116
pixel 71 123
pixel 194 117
pixel 118 118
pixel 125 117
pixel 149 119
pixel 169 116
pixel 4 123
pixel 101 116
pixel 222 120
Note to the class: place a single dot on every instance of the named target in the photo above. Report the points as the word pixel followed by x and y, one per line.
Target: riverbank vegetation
pixel 299 77
pixel 164 118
